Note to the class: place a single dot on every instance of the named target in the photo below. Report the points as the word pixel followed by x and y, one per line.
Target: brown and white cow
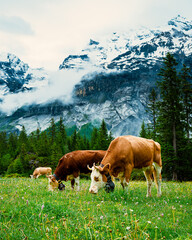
pixel 124 154
pixel 72 164
pixel 41 171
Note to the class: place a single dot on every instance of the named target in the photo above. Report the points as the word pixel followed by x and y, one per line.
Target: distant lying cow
pixel 71 165
pixel 41 171
pixel 124 154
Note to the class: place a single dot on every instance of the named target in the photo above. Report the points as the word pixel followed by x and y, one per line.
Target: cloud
pixel 60 87
pixel 15 25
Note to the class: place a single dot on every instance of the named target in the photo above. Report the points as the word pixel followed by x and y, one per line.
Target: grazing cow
pixel 41 171
pixel 71 165
pixel 124 154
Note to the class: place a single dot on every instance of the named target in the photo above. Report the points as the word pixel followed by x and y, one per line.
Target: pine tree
pixel 74 141
pixel 94 139
pixel 22 155
pixel 61 136
pixel 103 136
pixel 62 129
pixel 12 144
pixel 3 143
pixel 152 110
pixel 143 132
pixel 23 139
pixel 170 109
pixel 52 130
pixel 187 98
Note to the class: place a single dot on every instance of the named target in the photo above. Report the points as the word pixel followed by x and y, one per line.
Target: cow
pixel 71 165
pixel 41 171
pixel 124 154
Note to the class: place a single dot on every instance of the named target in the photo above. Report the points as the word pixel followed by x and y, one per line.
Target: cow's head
pixel 99 178
pixel 53 183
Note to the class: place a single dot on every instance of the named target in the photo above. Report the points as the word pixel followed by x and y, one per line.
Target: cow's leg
pixel 127 177
pixel 77 183
pixel 149 181
pixel 157 178
pixel 72 183
pixel 124 184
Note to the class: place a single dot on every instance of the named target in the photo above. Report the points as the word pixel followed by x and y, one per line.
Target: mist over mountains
pixel 110 79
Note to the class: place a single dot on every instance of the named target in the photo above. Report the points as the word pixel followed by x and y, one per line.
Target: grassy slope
pixel 29 211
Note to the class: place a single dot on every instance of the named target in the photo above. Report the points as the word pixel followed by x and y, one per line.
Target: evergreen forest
pixel 21 154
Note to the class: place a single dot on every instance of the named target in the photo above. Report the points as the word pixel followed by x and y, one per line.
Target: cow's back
pixel 36 171
pixel 136 151
pixel 77 161
pixel 84 158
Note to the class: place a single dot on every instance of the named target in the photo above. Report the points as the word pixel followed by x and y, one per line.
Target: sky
pixel 43 32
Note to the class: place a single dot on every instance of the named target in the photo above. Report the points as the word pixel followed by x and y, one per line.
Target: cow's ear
pixel 106 168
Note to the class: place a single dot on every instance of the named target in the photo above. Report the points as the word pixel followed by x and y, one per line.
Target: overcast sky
pixel 43 32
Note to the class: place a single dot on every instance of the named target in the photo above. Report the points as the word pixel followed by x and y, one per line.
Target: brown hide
pixel 128 152
pixel 76 162
pixel 42 171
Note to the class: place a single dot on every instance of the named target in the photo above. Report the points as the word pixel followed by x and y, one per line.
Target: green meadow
pixel 29 211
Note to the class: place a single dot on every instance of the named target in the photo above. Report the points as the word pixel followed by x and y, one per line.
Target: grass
pixel 29 211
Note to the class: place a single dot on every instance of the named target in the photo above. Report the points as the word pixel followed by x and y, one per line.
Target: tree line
pixel 21 154
pixel 170 110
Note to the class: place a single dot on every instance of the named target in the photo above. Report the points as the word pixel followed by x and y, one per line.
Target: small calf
pixel 41 171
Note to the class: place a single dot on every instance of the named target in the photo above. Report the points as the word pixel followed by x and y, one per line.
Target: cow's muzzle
pixel 61 186
pixel 110 186
pixel 93 190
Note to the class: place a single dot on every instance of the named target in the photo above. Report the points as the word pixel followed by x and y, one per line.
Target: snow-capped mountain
pixel 124 50
pixel 16 75
pixel 120 70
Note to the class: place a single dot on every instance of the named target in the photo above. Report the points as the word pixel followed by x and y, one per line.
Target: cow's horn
pixel 89 168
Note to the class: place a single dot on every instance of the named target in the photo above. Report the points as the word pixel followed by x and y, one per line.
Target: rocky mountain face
pixel 16 75
pixel 122 69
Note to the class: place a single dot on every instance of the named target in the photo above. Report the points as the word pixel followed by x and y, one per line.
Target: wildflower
pixel 128 228
pixel 101 217
pixel 125 214
pixel 27 202
pixel 42 207
pixel 131 210
pixel 39 215
pixel 149 222
pixel 162 214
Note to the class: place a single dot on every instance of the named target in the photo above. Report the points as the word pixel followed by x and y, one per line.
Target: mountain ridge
pixel 122 69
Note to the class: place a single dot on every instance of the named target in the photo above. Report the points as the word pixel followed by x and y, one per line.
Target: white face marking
pixel 52 184
pixel 96 181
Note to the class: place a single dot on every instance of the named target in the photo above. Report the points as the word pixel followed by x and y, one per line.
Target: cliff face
pixel 125 69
